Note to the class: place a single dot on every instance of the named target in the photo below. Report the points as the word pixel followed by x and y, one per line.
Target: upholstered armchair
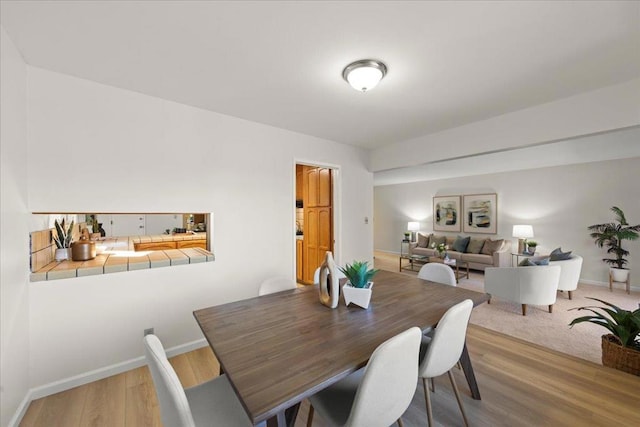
pixel 569 273
pixel 525 285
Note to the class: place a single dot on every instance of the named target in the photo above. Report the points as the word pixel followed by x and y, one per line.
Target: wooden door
pixel 311 243
pixel 324 187
pixel 324 233
pixel 311 187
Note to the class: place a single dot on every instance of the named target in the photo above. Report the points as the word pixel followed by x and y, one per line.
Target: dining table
pixel 278 349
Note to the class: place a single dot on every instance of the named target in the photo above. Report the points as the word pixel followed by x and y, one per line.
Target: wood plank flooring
pixel 522 384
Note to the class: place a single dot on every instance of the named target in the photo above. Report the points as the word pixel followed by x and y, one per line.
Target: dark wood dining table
pixel 279 349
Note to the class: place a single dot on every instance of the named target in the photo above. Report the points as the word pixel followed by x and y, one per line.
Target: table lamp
pixel 522 232
pixel 413 226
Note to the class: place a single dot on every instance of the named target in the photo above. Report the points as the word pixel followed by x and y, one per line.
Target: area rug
pixel 539 326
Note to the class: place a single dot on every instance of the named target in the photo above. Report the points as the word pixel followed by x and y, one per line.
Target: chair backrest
pixel 436 272
pixel 448 340
pixel 389 381
pixel 525 285
pixel 569 272
pixel 316 275
pixel 174 407
pixel 276 284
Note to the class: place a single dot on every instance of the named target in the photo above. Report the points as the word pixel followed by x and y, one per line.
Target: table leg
pixel 286 418
pixel 465 361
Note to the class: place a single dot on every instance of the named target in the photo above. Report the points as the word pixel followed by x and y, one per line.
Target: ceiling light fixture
pixel 365 74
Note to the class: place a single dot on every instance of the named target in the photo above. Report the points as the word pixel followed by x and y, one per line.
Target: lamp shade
pixel 522 231
pixel 413 226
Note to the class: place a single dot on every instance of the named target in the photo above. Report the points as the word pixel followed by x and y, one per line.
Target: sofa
pixel 496 254
pixel 525 285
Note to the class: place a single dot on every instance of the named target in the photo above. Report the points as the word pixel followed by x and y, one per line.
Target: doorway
pixel 315 192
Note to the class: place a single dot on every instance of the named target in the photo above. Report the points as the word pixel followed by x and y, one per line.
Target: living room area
pixel 559 203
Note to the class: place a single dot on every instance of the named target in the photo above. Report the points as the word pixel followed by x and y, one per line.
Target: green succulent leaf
pixel 358 273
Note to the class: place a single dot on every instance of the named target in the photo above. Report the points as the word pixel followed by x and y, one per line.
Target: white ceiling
pixel 280 63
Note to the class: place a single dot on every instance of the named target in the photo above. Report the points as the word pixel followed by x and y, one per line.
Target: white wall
pixel 605 109
pixel 560 202
pixel 143 154
pixel 14 233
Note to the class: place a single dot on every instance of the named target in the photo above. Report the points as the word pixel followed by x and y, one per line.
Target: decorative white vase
pixel 329 285
pixel 359 296
pixel 619 274
pixel 63 254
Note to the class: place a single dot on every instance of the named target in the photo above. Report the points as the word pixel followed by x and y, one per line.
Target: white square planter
pixel 359 296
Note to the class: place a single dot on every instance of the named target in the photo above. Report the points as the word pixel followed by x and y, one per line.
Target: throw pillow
pixel 541 261
pixel 526 263
pixel 491 246
pixel 436 240
pixel 475 246
pixel 532 262
pixel 558 255
pixel 460 245
pixel 423 240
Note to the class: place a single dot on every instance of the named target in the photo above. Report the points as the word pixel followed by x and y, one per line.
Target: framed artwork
pixel 446 213
pixel 480 213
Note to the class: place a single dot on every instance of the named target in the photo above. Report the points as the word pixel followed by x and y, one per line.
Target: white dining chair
pixel 276 284
pixel 444 350
pixel 211 403
pixel 437 272
pixel 378 394
pixel 316 275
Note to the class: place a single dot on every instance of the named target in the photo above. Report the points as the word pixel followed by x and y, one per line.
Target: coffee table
pixel 423 259
pixel 455 264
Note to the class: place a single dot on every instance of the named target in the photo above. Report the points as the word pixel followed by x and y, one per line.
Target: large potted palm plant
pixel 611 235
pixel 620 348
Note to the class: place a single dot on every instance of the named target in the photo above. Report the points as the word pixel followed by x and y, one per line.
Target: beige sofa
pixel 480 261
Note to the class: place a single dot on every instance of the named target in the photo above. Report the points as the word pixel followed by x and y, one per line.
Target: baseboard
pixel 606 285
pixel 95 375
pixel 21 410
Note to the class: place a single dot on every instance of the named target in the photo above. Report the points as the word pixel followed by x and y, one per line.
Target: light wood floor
pixel 522 384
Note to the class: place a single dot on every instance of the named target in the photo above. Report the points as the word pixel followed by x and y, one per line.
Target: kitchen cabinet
pixel 299 182
pixel 178 244
pixel 299 260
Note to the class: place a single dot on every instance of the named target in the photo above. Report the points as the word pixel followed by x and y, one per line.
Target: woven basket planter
pixel 614 355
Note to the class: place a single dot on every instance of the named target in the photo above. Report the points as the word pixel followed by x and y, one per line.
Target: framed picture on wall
pixel 480 213
pixel 446 213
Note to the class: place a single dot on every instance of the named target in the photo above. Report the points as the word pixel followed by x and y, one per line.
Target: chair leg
pixel 524 309
pixel 310 417
pixel 427 400
pixel 550 308
pixel 400 422
pixel 457 393
pixel 433 385
pixel 570 294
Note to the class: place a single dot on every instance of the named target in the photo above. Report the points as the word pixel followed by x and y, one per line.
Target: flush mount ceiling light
pixel 365 74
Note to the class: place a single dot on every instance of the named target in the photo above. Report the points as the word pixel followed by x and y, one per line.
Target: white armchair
pixel 525 285
pixel 569 273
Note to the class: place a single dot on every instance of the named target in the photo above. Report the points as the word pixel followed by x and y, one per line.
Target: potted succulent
pixel 407 235
pixel 62 239
pixel 358 288
pixel 611 235
pixel 620 348
pixel 531 246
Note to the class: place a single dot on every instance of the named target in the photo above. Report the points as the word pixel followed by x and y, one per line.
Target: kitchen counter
pixel 118 254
